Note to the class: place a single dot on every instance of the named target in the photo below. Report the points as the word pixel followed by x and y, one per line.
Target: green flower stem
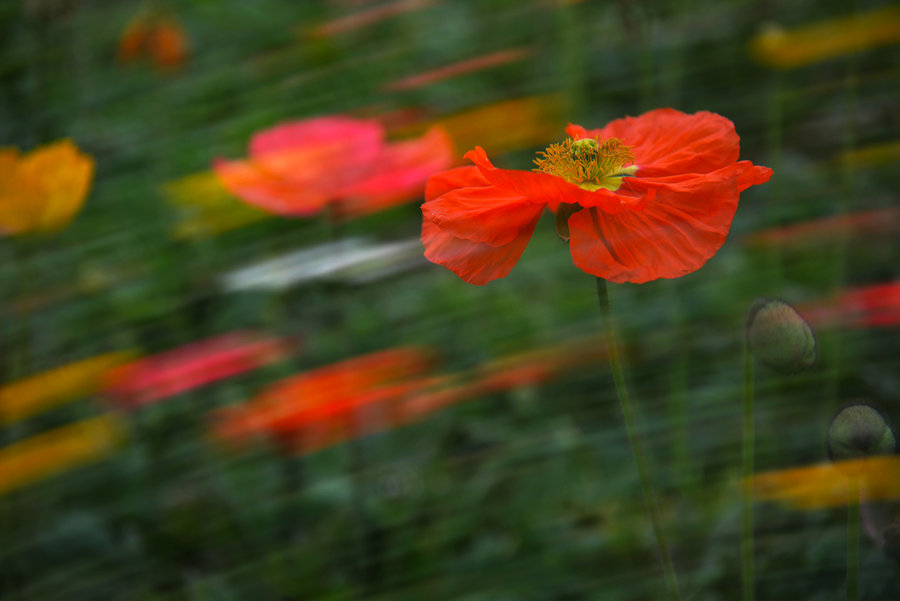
pixel 853 542
pixel 633 438
pixel 747 457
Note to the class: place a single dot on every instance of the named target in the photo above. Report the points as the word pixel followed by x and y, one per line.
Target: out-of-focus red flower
pixel 161 38
pixel 869 306
pixel 384 390
pixel 303 167
pixel 643 198
pixel 191 366
pixel 881 221
pixel 330 403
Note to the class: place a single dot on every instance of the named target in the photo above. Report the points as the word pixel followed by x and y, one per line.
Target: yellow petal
pixel 62 174
pixel 53 452
pixel 49 389
pixel 19 197
pixel 830 485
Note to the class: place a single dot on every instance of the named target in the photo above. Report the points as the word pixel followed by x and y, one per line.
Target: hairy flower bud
pixel 858 431
pixel 779 337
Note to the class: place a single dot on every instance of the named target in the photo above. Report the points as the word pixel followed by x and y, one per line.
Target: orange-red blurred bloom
pixel 191 366
pixel 643 198
pixel 53 452
pixel 44 189
pixel 159 37
pixel 303 167
pixel 331 403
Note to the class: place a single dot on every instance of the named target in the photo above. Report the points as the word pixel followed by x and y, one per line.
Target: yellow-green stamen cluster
pixel 590 163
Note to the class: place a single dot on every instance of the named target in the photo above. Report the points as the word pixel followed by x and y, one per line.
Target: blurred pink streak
pixel 368 17
pixel 468 66
pixel 191 366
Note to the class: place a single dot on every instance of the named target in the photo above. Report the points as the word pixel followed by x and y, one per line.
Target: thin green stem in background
pixel 633 438
pixel 747 456
pixel 853 542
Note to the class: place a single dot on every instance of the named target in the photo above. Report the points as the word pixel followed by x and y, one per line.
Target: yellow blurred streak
pixel 206 208
pixel 830 485
pixel 48 389
pixel 42 190
pixel 783 49
pixel 873 156
pixel 504 126
pixel 53 452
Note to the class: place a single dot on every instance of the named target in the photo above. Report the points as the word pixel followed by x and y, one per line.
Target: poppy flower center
pixel 589 163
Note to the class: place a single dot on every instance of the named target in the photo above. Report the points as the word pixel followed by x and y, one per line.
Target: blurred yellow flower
pixel 53 452
pixel 206 208
pixel 43 190
pixel 830 484
pixel 782 49
pixel 49 389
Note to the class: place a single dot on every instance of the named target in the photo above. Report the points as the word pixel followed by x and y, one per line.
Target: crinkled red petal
pixel 670 236
pixel 475 262
pixel 477 212
pixel 669 142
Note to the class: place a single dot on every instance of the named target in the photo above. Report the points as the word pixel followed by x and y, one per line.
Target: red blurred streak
pixel 881 221
pixel 468 66
pixel 871 306
pixel 191 366
pixel 368 17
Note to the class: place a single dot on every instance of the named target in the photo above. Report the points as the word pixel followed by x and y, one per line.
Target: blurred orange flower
pixel 303 167
pixel 53 452
pixel 52 388
pixel 159 37
pixel 830 484
pixel 43 190
pixel 191 366
pixel 827 39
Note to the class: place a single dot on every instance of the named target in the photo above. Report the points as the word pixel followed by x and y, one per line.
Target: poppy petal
pixel 476 212
pixel 249 182
pixel 672 235
pixel 402 169
pixel 668 142
pixel 475 262
pixel 543 187
pixel 364 135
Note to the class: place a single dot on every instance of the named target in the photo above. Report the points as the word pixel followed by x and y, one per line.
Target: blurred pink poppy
pixel 867 307
pixel 301 168
pixel 191 366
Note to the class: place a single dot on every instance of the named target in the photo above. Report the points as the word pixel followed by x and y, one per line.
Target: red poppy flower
pixel 643 198
pixel 300 168
pixel 159 37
